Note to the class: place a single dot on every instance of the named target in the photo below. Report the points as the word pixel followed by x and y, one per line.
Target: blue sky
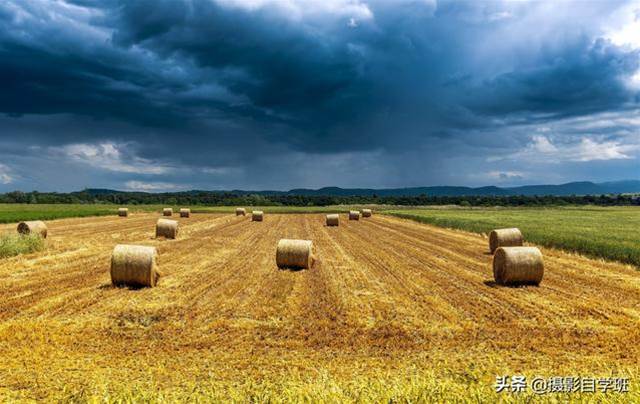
pixel 277 94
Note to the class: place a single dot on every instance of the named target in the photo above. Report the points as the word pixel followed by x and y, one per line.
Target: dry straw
pixel 134 265
pixel 167 212
pixel 33 227
pixel 257 215
pixel 185 212
pixel 504 238
pixel 240 212
pixel 294 254
pixel 123 212
pixel 518 266
pixel 366 212
pixel 166 228
pixel 333 220
pixel 354 215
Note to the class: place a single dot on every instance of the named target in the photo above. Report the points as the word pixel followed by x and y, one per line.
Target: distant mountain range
pixel 571 188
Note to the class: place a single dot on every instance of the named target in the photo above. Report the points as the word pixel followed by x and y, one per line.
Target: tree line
pixel 210 198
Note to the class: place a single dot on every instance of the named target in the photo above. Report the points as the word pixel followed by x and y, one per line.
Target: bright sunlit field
pixel 10 213
pixel 610 233
pixel 393 310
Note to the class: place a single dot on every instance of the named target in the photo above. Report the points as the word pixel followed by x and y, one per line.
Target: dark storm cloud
pixel 587 78
pixel 339 85
pixel 48 67
pixel 349 84
pixel 305 77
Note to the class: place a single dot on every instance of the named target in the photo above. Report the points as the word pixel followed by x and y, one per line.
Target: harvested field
pixel 392 309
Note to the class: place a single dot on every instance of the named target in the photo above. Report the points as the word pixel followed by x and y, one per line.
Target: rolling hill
pixel 571 188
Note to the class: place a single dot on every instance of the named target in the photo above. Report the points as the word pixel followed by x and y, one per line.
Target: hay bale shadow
pixel 494 284
pixel 292 269
pixel 127 287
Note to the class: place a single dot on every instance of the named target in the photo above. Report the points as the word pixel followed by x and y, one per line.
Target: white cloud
pixel 5 175
pixel 153 186
pixel 542 149
pixel 590 150
pixel 300 9
pixel 500 15
pixel 623 28
pixel 628 35
pixel 543 145
pixel 112 157
pixel 506 175
pixel 634 81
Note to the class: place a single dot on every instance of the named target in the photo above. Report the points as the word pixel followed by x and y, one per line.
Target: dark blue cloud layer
pixel 425 81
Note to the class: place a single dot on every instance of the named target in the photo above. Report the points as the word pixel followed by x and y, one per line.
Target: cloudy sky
pixel 164 95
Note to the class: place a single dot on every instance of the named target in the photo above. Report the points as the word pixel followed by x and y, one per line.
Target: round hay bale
pixel 333 220
pixel 123 212
pixel 518 266
pixel 366 213
pixel 33 227
pixel 354 215
pixel 167 212
pixel 185 212
pixel 257 215
pixel 166 228
pixel 240 212
pixel 134 265
pixel 294 254
pixel 505 238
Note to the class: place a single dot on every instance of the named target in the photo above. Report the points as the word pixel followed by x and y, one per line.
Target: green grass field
pixel 14 244
pixel 610 233
pixel 11 213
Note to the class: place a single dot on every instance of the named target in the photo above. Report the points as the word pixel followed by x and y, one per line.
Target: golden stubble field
pixel 392 309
